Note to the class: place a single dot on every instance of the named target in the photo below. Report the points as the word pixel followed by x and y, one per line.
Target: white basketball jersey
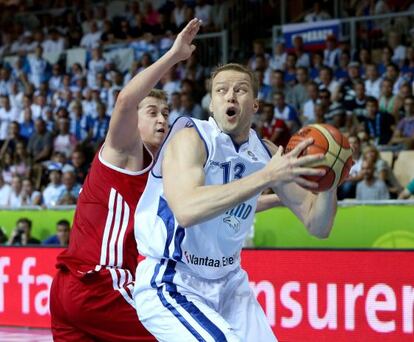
pixel 212 248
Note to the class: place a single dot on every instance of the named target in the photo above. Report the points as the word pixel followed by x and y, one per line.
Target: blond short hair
pixel 158 94
pixel 240 68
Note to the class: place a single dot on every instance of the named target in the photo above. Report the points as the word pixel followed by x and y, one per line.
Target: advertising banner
pixel 367 226
pixel 306 295
pixel 313 34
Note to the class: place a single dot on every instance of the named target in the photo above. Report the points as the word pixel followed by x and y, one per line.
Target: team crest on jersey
pixel 251 154
pixel 232 222
pixel 189 124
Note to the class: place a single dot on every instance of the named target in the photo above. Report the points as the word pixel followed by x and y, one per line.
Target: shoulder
pixel 188 136
pixel 272 148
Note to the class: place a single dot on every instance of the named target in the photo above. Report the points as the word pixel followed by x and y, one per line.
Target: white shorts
pixel 175 305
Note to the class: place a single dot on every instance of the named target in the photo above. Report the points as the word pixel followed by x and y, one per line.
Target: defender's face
pixel 233 103
pixel 153 121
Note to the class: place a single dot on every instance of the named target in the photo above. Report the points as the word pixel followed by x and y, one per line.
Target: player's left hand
pixel 183 47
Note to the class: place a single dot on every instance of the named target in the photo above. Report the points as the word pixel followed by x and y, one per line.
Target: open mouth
pixel 231 111
pixel 160 130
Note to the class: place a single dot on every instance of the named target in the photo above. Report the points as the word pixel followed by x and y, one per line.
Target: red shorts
pixel 89 309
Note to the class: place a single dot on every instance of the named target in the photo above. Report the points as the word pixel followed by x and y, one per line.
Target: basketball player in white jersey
pixel 198 206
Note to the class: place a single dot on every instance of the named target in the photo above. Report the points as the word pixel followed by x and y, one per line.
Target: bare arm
pixel 316 211
pixel 123 143
pixel 193 202
pixel 268 201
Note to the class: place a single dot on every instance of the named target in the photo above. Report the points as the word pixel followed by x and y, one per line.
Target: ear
pixel 256 105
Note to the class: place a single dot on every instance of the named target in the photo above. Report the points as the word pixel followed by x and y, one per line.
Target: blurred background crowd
pixel 63 64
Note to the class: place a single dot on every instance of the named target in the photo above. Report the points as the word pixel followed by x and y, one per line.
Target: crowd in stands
pixel 54 117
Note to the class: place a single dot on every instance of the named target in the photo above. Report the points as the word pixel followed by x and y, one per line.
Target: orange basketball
pixel 329 141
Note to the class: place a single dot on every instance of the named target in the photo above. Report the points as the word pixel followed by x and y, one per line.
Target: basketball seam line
pixel 336 159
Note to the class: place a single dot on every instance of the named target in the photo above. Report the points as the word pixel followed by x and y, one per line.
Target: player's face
pixel 233 103
pixel 153 121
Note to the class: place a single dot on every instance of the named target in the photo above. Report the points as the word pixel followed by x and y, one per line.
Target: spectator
pixel 15 198
pixel 285 112
pixel 331 52
pixel 39 107
pixel 38 67
pixel 278 59
pixel 265 91
pixel 56 80
pixel 99 125
pixel 40 143
pixel 171 83
pixel 55 187
pixel 372 81
pixel 61 238
pixel 220 14
pixel 302 57
pixel 55 43
pixel 21 164
pixel 30 196
pixel 79 164
pixel 16 97
pixel 383 171
pixel 175 108
pixel 273 128
pixel 392 72
pixel 290 69
pixel 190 108
pixel 355 107
pixel 12 139
pixel 317 64
pixel 5 190
pixel 64 141
pixel 203 12
pixel 70 192
pixel 96 65
pixel 378 124
pixel 27 126
pixel 151 15
pixel 308 112
pixel 278 84
pixel 408 191
pixel 371 188
pixel 22 234
pixel 394 42
pixel 317 14
pixel 79 123
pixel 258 50
pixel 404 132
pixel 299 91
pixel 327 81
pixel 178 13
pixel 6 81
pixel 7 115
pixel 348 188
pixel 91 39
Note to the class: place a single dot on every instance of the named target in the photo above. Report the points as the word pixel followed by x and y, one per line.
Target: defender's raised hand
pixel 183 47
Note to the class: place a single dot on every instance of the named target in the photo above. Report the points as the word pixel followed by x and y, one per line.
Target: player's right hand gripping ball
pixel 329 141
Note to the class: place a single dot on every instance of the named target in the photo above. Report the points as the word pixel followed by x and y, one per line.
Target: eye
pixel 220 90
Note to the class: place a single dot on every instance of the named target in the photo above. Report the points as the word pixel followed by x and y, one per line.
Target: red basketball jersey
pixel 102 235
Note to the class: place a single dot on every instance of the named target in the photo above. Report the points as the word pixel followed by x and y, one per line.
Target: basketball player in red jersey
pixel 91 297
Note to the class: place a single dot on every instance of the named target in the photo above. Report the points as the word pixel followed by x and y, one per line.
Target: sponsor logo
pixel 211 262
